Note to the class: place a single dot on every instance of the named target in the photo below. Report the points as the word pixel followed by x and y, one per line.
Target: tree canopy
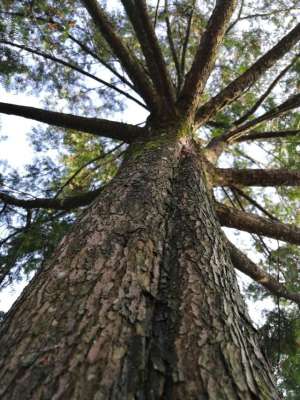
pixel 230 67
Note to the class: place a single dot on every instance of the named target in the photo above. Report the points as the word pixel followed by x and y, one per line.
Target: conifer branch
pixel 217 144
pixel 140 20
pixel 89 51
pixel 233 218
pixel 206 54
pixel 85 165
pixel 256 177
pixel 241 262
pixel 127 59
pixel 252 110
pixel 95 126
pixel 83 46
pixel 290 104
pixel 73 67
pixel 237 87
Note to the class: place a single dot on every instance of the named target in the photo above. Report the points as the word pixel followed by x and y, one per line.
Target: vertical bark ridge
pixel 139 301
pixel 80 330
pixel 203 344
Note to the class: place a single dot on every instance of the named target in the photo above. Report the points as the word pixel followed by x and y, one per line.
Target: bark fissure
pixel 139 291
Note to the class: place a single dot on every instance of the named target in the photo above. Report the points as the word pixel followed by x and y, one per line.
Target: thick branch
pixel 256 177
pixel 255 135
pixel 234 218
pixel 248 78
pixel 68 203
pixel 244 264
pixel 138 14
pixel 98 127
pixel 206 54
pixel 128 60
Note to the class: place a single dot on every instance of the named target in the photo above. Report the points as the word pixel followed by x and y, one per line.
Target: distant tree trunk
pixel 140 299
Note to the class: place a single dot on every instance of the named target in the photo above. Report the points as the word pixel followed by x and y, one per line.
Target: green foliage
pixel 281 338
pixel 84 162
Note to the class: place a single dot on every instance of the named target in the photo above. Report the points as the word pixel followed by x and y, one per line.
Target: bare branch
pixel 256 177
pixel 74 67
pixel 128 60
pixel 96 126
pixel 248 78
pixel 138 15
pixel 252 110
pixel 233 218
pixel 206 54
pixel 241 262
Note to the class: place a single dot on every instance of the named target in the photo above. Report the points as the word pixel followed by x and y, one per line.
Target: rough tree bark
pixel 140 299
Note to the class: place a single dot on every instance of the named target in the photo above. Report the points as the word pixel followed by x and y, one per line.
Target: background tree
pixel 219 83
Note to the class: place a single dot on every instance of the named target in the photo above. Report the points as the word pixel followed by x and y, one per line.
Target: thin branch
pixel 244 264
pixel 233 218
pixel 83 46
pixel 89 51
pixel 252 110
pixel 156 13
pixel 128 60
pixel 264 15
pixel 256 177
pixel 237 87
pixel 73 176
pixel 237 18
pixel 216 146
pixel 140 20
pixel 290 104
pixel 72 66
pixel 96 126
pixel 254 203
pixel 256 238
pixel 186 39
pixel 172 45
pixel 255 135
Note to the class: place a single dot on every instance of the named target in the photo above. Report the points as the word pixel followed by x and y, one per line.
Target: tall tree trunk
pixel 140 299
